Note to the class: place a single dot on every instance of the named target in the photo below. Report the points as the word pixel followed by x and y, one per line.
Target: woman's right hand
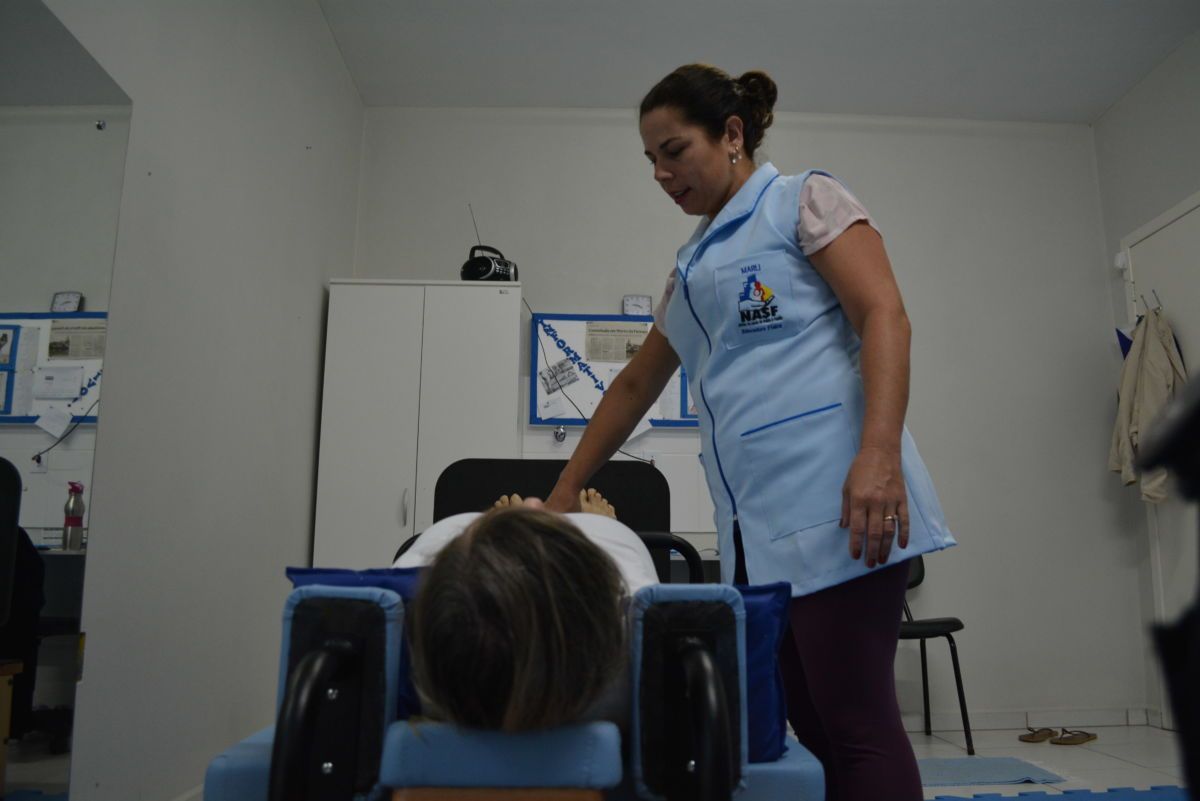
pixel 563 499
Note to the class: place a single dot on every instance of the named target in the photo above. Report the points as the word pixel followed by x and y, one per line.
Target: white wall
pixel 995 234
pixel 1146 152
pixel 1148 162
pixel 60 192
pixel 238 205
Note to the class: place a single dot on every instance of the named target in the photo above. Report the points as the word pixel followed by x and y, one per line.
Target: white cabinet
pixel 417 376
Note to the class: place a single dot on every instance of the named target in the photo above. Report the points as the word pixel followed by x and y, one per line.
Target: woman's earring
pixel 735 157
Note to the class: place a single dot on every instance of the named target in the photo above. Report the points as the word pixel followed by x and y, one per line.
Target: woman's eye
pixel 675 153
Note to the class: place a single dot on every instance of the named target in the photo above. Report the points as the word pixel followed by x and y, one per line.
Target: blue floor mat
pixel 962 771
pixel 1115 794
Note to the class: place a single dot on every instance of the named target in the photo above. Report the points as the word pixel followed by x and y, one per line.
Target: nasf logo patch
pixel 756 304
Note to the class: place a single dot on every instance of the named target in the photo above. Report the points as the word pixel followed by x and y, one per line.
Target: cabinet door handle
pixel 404 508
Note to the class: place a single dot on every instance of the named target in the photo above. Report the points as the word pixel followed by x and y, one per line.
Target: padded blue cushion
pixel 585 755
pixel 401 580
pixel 766 704
pixel 242 772
pixel 643 599
pixel 797 776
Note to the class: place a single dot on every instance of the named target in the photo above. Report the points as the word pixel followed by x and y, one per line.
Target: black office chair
pixel 22 577
pixel 922 630
pixel 637 490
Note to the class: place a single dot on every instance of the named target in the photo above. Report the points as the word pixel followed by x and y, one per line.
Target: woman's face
pixel 690 166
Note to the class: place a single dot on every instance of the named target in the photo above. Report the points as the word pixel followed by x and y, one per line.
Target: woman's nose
pixel 661 174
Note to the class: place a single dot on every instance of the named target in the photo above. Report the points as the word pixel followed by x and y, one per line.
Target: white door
pixel 366 479
pixel 470 370
pixel 1165 261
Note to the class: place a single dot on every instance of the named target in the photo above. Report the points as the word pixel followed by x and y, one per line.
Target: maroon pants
pixel 841 687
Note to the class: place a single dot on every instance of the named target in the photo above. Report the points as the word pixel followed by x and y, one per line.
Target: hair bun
pixel 759 93
pixel 760 87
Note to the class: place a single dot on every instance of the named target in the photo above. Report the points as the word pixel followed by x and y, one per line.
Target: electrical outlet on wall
pixel 41 465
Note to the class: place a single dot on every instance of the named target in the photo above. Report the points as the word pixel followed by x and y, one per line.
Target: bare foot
pixel 506 501
pixel 593 502
pixel 516 500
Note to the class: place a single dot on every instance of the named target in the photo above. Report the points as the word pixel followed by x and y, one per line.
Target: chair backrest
pixel 637 490
pixel 916 571
pixel 916 574
pixel 10 516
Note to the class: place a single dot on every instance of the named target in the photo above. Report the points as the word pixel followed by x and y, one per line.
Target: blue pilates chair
pixel 341 735
pixel 341 739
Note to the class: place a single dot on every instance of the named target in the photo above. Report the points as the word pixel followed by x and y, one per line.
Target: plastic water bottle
pixel 73 521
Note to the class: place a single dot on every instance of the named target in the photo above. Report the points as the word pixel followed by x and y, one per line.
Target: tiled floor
pixel 1123 756
pixel 32 767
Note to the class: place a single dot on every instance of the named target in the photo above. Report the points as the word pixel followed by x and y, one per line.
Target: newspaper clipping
pixel 77 339
pixel 614 341
pixel 557 376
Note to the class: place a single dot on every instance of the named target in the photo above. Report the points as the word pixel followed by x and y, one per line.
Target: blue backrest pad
pixel 661 615
pixel 369 620
pixel 401 580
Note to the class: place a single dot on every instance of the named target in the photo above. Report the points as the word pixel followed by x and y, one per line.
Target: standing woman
pixel 784 311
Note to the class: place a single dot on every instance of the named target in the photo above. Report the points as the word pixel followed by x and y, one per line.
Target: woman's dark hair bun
pixel 760 93
pixel 760 86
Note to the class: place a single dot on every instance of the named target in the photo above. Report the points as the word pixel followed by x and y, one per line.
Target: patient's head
pixel 518 623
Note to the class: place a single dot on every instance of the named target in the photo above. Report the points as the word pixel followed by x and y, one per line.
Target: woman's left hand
pixel 875 505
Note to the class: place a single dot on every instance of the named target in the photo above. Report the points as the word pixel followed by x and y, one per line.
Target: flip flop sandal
pixel 1070 737
pixel 1036 735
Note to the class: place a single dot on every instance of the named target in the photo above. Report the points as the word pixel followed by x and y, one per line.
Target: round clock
pixel 639 305
pixel 66 302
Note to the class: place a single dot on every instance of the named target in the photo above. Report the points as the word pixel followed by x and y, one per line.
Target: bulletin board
pixel 51 364
pixel 573 359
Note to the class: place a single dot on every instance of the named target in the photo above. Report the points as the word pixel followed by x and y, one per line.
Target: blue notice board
pixel 32 343
pixel 573 359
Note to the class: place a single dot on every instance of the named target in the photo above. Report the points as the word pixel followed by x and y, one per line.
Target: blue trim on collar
pixel 741 205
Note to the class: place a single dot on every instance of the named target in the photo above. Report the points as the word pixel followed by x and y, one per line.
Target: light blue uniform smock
pixel 772 362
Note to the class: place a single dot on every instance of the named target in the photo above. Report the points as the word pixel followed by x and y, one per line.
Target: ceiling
pixel 42 64
pixel 1029 60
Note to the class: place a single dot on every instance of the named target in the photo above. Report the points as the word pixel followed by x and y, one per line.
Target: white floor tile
pixel 1113 735
pixel 1147 754
pixel 988 738
pixel 31 767
pixel 937 751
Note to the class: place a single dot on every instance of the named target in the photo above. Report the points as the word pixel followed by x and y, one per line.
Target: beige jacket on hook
pixel 1152 374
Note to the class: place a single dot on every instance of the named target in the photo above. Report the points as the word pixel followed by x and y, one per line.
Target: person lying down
pixel 519 622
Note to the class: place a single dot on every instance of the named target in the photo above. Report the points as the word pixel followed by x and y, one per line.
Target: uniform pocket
pixel 799 464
